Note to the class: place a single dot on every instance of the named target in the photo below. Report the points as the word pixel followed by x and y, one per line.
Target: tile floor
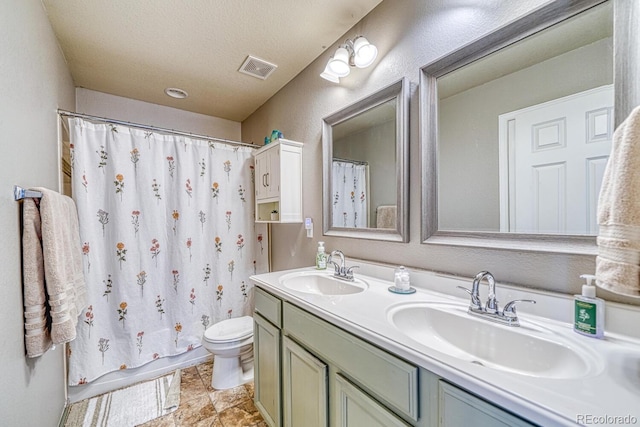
pixel 203 406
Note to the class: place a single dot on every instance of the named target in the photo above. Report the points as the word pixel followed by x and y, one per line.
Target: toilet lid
pixel 230 329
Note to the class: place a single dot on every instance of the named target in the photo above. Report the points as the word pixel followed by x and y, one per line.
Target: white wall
pixel 409 34
pixel 130 110
pixel 35 82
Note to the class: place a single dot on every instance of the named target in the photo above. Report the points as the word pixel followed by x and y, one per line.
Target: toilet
pixel 231 342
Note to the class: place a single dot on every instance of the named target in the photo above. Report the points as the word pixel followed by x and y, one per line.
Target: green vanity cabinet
pixel 267 359
pixel 267 392
pixel 390 381
pixel 304 387
pixel 309 372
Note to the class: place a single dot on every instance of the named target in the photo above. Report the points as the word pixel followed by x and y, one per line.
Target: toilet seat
pixel 230 330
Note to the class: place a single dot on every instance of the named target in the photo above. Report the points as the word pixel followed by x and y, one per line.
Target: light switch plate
pixel 308 225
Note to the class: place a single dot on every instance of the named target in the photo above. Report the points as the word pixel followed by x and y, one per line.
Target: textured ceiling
pixel 138 48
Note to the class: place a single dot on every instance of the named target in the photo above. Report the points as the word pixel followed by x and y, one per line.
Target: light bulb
pixel 365 53
pixel 339 64
pixel 328 75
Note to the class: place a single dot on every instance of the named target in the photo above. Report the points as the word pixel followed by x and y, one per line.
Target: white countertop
pixel 611 389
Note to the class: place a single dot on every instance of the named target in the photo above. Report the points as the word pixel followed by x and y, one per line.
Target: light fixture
pixel 353 53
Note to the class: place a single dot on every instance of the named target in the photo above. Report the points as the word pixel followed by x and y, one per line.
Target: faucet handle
pixel 475 299
pixel 510 308
pixel 349 271
pixel 336 266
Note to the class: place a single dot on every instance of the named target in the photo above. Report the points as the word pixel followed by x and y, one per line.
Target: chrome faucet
pixel 491 310
pixel 341 270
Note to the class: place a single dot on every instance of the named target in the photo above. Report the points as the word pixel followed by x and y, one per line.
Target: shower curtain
pixel 168 240
pixel 349 189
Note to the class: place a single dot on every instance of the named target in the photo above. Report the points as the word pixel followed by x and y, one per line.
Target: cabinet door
pixel 353 408
pixel 304 387
pixel 459 408
pixel 273 172
pixel 266 345
pixel 262 164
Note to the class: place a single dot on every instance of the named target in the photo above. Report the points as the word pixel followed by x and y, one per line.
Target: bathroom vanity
pixel 351 354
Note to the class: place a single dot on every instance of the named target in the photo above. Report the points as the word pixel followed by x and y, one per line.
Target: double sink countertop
pixel 542 371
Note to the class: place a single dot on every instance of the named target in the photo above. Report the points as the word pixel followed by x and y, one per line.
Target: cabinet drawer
pixel 268 306
pixel 459 408
pixel 389 379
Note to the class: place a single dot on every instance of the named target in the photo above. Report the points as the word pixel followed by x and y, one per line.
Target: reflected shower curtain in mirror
pixel 168 238
pixel 350 198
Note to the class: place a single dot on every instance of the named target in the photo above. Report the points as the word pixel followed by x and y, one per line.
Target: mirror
pixel 365 173
pixel 516 131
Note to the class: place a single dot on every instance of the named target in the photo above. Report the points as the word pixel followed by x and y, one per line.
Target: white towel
pixel 386 216
pixel 618 260
pixel 61 262
pixel 37 338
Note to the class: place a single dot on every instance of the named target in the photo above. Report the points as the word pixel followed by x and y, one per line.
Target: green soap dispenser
pixel 589 310
pixel 321 257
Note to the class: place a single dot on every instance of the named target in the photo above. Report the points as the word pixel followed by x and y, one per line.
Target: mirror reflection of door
pixel 552 160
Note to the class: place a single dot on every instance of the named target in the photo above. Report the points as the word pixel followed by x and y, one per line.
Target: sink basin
pixel 321 283
pixel 528 350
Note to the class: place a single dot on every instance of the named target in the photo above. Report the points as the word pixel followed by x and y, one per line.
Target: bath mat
pixel 128 407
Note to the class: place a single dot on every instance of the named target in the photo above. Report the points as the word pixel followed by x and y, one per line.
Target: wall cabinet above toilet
pixel 278 182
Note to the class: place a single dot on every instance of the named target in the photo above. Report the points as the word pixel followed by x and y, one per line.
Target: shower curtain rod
pixel 63 113
pixel 355 162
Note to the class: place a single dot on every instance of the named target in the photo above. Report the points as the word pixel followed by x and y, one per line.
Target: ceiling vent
pixel 257 67
pixel 175 92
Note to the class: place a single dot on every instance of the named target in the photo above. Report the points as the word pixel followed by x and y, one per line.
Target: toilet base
pixel 230 372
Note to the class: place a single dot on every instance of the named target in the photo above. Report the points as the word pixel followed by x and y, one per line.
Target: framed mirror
pixel 365 167
pixel 516 130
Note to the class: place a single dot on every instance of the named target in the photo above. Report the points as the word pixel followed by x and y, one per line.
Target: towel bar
pixel 20 193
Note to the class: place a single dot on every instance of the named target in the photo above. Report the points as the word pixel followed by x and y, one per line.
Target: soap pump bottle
pixel 321 257
pixel 589 310
pixel 401 279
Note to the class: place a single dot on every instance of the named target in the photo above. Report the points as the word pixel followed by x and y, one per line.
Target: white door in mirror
pixel 553 157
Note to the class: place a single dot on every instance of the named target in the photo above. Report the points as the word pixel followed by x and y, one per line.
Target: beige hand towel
pixel 386 216
pixel 618 260
pixel 62 263
pixel 37 338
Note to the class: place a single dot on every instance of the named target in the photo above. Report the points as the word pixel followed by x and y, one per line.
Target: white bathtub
pixel 119 379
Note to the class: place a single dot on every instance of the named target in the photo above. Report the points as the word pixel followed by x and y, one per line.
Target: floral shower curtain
pixel 350 204
pixel 168 241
